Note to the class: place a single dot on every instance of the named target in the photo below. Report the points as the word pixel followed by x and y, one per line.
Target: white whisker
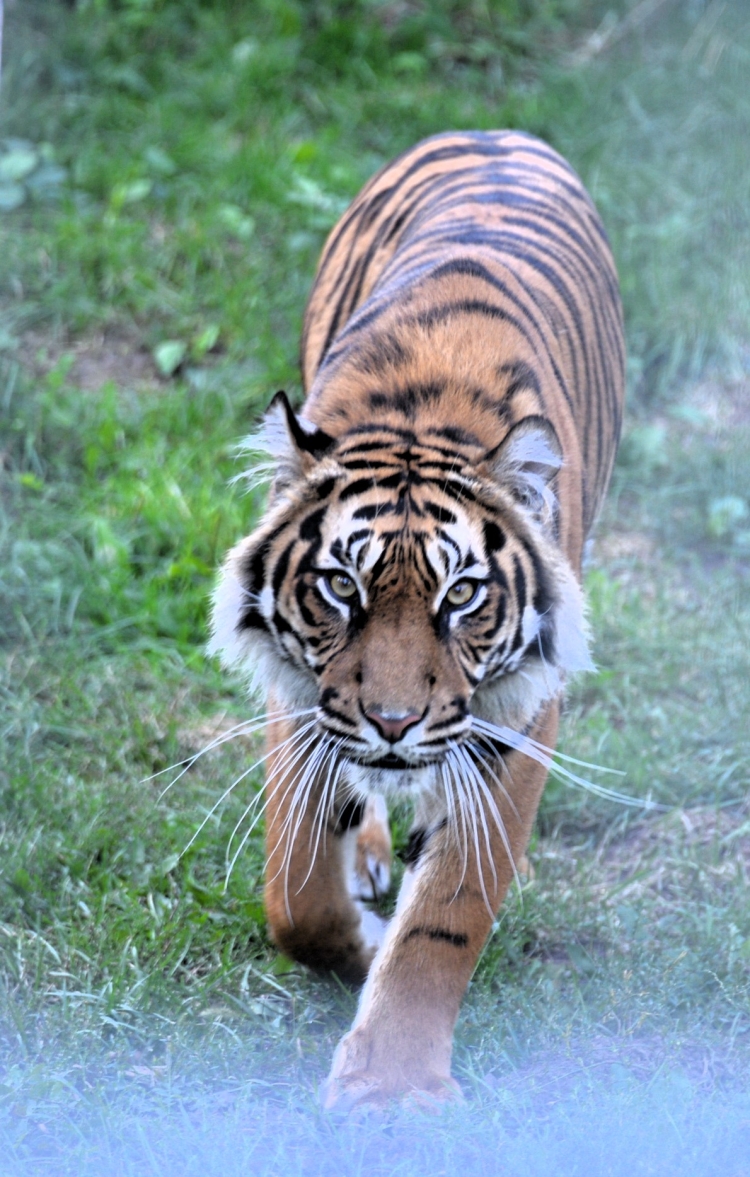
pixel 475 805
pixel 302 784
pixel 511 737
pixel 460 810
pixel 287 761
pixel 450 805
pixel 298 808
pixel 299 752
pixel 245 728
pixel 545 756
pixel 223 798
pixel 325 802
pixel 334 765
pixel 476 750
pixel 302 789
pixel 477 784
pixel 494 814
pixel 248 728
pixel 287 755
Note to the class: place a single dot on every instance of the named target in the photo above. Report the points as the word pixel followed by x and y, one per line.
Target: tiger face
pixel 400 584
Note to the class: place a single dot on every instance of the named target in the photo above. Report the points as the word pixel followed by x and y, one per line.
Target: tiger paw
pixel 363 1093
pixel 372 858
pixel 359 1082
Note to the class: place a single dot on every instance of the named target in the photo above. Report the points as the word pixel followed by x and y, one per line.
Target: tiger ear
pixel 295 443
pixel 526 461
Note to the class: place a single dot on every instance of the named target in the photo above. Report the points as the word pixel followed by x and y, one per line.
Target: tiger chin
pixel 410 603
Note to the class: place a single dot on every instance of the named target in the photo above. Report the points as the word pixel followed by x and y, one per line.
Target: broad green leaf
pixel 159 161
pixel 207 339
pixel 169 355
pixel 236 221
pixel 129 193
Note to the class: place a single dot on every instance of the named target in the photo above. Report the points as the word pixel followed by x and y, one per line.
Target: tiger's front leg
pixel 323 857
pixel 401 1042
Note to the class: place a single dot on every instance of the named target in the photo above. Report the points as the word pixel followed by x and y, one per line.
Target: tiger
pixel 410 603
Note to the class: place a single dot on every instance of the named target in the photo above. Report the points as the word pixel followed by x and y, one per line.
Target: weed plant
pixel 167 177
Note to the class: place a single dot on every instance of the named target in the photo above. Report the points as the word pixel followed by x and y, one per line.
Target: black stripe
pixel 310 525
pixel 519 584
pixel 364 484
pixel 442 514
pixel 374 511
pixel 457 939
pixel 494 537
pixel 282 565
pixel 350 815
pixel 414 848
pixel 335 714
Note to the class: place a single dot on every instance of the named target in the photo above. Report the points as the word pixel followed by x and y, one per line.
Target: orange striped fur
pixel 410 602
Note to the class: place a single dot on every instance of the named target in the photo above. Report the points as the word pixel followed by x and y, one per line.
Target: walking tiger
pixel 410 603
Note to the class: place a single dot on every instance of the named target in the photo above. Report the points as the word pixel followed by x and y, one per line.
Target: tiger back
pixel 410 603
pixel 476 267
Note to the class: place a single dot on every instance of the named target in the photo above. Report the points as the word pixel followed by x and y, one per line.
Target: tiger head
pixel 401 584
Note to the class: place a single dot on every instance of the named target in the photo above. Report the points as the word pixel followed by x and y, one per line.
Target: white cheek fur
pixel 516 697
pixel 253 651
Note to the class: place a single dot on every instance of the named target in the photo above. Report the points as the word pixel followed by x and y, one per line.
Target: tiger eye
pixel 461 592
pixel 342 586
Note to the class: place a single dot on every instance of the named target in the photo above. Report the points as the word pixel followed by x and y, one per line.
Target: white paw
pixel 366 851
pixel 372 877
pixel 372 859
pixel 373 928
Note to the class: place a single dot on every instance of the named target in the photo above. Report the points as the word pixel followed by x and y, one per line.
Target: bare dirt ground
pixel 111 356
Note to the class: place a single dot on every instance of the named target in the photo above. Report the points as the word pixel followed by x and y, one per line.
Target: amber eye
pixel 461 592
pixel 342 586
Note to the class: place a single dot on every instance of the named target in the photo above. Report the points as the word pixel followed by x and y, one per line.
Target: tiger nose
pixel 392 727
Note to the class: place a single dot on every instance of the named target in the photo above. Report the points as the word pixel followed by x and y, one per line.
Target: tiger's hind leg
pixel 312 902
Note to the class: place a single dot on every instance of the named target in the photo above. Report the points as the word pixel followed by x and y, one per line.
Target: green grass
pixel 654 130
pixel 183 164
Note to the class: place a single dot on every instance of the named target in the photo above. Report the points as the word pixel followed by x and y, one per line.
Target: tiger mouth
pixel 390 761
pixel 394 763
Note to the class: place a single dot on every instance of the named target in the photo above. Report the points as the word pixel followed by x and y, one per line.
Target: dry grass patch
pixel 112 355
pixel 651 860
pixel 724 402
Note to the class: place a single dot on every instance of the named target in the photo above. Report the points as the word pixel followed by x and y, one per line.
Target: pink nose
pixel 392 727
